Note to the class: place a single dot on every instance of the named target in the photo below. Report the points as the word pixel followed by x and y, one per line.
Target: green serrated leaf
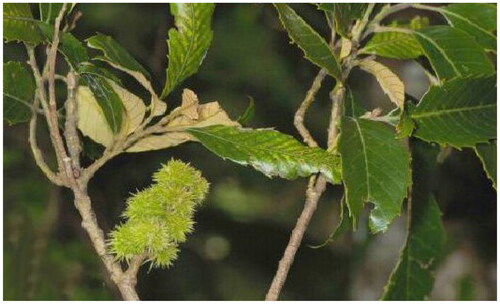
pixel 460 113
pixel 345 14
pixel 312 44
pixel 49 11
pixel 115 53
pixel 452 52
pixel 107 98
pixel 18 93
pixel 397 45
pixel 188 44
pixel 19 25
pixel 72 49
pixel 487 153
pixel 375 168
pixel 268 151
pixel 479 20
pixel 412 279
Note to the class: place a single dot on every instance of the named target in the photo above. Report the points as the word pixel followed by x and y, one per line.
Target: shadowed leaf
pixel 18 93
pixel 375 168
pixel 455 114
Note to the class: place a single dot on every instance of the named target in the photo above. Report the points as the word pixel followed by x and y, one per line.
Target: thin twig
pixel 313 194
pixel 308 100
pixel 37 153
pixel 96 235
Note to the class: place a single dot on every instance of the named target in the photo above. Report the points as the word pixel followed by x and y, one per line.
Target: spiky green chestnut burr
pixel 159 217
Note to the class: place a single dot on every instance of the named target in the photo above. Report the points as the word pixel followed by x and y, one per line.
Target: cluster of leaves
pixel 459 111
pixel 112 116
pixel 371 157
pixel 108 112
pixel 159 217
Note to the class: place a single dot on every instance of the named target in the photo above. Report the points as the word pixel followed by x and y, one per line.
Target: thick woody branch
pixel 96 235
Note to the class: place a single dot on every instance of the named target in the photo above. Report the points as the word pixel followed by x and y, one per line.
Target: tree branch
pixel 337 97
pixel 37 153
pixel 51 112
pixel 308 100
pixel 96 235
pixel 70 131
pixel 313 194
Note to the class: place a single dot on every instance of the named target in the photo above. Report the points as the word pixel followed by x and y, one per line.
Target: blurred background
pixel 244 225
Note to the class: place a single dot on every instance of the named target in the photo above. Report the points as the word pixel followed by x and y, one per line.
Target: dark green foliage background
pixel 245 224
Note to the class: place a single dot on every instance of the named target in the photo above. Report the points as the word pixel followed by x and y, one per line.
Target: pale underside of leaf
pixel 389 82
pixel 91 119
pixel 190 114
pixel 158 142
pixel 135 110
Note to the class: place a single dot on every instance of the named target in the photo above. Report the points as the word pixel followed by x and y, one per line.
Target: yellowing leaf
pixel 390 82
pixel 158 142
pixel 91 119
pixel 116 56
pixel 134 108
pixel 189 115
pixel 345 48
pixel 190 104
pixel 200 115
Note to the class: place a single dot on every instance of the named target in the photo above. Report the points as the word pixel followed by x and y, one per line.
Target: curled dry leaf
pixel 389 82
pixel 190 114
